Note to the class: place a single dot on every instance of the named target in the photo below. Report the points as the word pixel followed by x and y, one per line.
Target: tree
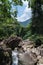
pixel 8 23
pixel 37 17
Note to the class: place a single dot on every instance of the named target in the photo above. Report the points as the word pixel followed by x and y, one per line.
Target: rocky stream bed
pixel 15 51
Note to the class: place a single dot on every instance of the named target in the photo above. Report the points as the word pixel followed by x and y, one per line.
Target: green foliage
pixel 37 17
pixel 36 37
pixel 28 32
pixel 9 26
pixel 38 42
pixel 27 35
pixel 8 23
pixel 18 2
pixel 33 2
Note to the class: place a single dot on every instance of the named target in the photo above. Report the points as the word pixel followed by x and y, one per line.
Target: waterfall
pixel 15 57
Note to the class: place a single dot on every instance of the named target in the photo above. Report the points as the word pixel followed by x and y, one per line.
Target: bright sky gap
pixel 24 13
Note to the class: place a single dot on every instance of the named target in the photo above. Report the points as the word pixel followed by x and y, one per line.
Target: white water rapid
pixel 15 57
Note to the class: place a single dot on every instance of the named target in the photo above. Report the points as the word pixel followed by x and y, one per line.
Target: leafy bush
pixel 38 42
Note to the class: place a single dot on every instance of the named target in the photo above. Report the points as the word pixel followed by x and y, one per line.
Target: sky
pixel 24 13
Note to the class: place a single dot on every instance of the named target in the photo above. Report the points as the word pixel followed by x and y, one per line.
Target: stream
pixel 15 57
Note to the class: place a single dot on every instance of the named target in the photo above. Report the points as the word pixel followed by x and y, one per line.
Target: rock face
pixel 13 42
pixel 30 55
pixel 5 55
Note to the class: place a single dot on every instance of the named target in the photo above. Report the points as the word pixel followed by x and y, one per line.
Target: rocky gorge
pixel 24 52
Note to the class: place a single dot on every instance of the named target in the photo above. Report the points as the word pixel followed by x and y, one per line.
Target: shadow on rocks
pixel 12 42
pixel 5 56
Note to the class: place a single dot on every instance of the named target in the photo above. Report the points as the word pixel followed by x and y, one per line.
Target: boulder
pixel 40 62
pixel 41 52
pixel 36 51
pixel 30 55
pixel 27 58
pixel 26 45
pixel 5 56
pixel 12 42
pixel 40 49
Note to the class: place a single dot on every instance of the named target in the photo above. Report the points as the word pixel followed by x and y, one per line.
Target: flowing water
pixel 15 57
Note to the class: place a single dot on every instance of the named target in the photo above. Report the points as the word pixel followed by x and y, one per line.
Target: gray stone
pixel 28 58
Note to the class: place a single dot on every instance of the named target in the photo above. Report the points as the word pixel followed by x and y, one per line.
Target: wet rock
pixel 5 56
pixel 12 42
